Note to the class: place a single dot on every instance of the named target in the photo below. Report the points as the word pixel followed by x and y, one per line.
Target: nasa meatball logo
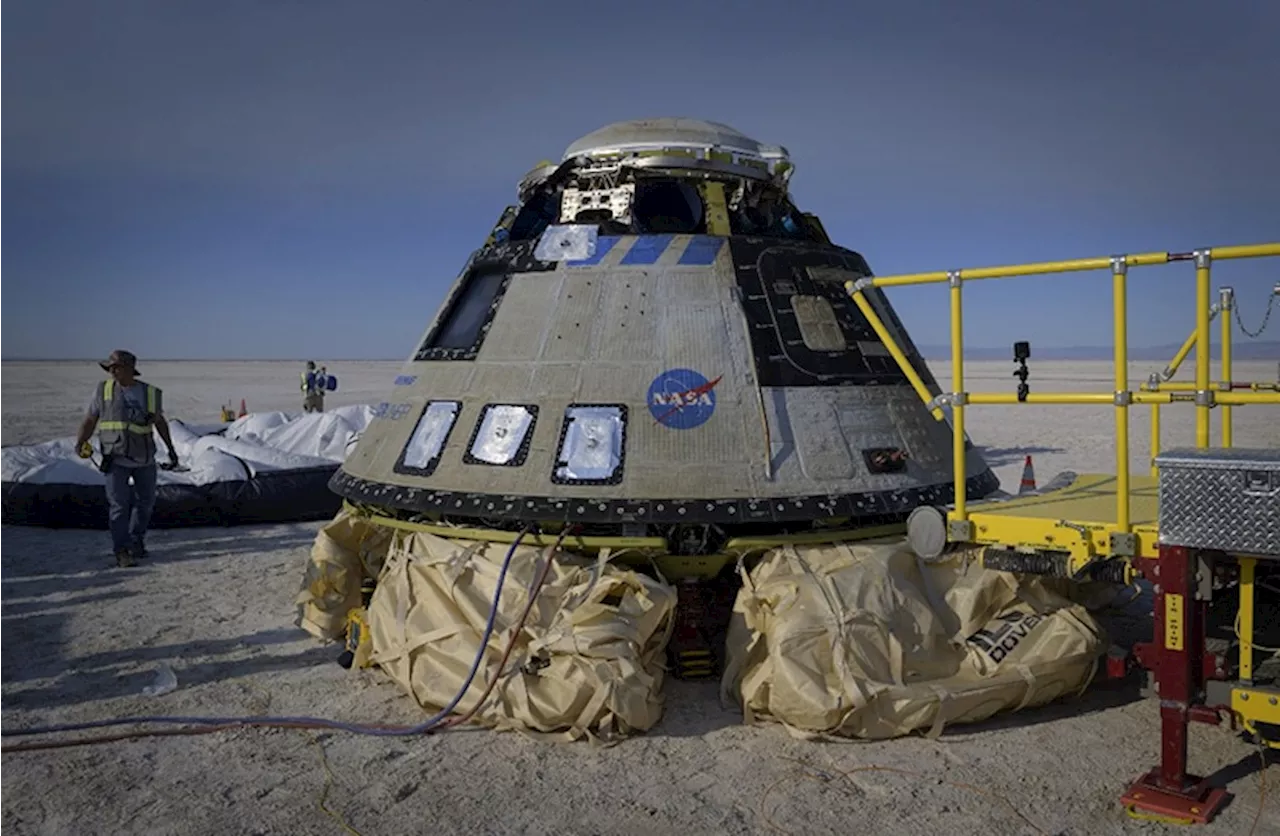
pixel 682 399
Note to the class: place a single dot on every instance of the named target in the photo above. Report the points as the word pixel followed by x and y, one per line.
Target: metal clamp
pixel 1226 298
pixel 1123 397
pixel 1119 265
pixel 1204 397
pixel 959 531
pixel 1204 258
pixel 1124 544
pixel 862 284
pixel 948 399
pixel 953 278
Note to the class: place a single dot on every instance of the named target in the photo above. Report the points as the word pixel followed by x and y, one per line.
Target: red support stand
pixel 1176 657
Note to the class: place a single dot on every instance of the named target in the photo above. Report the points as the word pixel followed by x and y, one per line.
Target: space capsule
pixel 654 340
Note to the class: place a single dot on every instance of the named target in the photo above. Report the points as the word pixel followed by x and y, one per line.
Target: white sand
pixel 82 640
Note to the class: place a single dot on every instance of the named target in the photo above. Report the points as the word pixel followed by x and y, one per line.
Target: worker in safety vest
pixel 322 386
pixel 125 410
pixel 312 389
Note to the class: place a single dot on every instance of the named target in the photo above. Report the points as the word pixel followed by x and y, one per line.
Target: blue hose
pixel 354 728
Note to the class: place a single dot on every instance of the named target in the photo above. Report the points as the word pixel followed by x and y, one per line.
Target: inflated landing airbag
pixel 264 467
pixel 589 662
pixel 868 641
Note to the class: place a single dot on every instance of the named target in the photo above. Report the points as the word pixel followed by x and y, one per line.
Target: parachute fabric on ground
pixel 266 467
pixel 868 641
pixel 589 662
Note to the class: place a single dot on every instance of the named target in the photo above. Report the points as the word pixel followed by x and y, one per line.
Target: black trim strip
pixel 595 510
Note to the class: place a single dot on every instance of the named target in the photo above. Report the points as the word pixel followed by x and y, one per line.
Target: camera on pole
pixel 1022 351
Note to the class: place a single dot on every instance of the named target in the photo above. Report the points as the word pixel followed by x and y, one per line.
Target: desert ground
pixel 82 640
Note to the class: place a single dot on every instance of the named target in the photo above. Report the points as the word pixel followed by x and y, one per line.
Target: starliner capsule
pixel 655 342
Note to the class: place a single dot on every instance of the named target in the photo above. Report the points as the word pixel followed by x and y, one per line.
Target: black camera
pixel 1021 352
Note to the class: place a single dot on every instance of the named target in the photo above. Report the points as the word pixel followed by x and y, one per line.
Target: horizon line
pixel 928 351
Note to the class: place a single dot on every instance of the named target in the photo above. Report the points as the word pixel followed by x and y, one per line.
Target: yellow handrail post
pixel 957 388
pixel 1155 438
pixel 864 305
pixel 1226 301
pixel 1174 364
pixel 1204 396
pixel 1119 270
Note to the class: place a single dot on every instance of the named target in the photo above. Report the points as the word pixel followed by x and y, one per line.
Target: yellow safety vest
pixel 120 437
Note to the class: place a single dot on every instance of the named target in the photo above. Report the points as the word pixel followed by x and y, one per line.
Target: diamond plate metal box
pixel 1222 499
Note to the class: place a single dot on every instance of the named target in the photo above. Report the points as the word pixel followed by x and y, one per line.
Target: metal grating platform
pixel 1059 519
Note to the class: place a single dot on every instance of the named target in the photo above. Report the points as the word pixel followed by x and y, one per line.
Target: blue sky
pixel 287 179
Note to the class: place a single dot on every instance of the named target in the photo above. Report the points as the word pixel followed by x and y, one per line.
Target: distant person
pixel 312 389
pixel 124 410
pixel 322 384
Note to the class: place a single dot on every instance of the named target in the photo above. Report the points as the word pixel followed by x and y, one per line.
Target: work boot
pixel 139 551
pixel 125 559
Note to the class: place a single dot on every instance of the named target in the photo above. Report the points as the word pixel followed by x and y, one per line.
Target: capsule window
pixel 502 436
pixel 819 327
pixel 462 324
pixel 592 445
pixel 422 452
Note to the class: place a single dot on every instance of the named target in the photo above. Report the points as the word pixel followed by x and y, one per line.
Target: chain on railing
pixel 1253 335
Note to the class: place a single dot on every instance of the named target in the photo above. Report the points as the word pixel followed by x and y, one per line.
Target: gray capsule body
pixel 635 346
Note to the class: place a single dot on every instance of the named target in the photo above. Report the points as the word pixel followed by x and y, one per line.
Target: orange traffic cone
pixel 1028 477
pixel 244 412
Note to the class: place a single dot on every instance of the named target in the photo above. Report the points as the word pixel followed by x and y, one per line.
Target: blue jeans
pixel 130 506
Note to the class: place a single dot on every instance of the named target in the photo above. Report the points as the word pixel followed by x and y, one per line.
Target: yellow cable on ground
pixel 329 781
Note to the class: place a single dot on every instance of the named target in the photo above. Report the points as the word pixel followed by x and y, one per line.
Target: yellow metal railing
pixel 1204 394
pixel 1161 382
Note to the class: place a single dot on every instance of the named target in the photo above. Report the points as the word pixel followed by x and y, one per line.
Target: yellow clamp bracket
pixel 1256 706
